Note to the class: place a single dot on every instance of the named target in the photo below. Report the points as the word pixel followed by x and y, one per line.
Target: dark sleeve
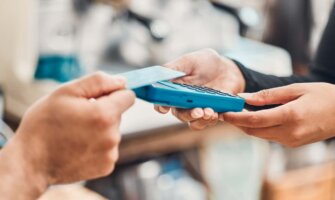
pixel 322 68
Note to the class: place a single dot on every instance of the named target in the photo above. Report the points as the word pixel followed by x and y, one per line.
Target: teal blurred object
pixel 61 68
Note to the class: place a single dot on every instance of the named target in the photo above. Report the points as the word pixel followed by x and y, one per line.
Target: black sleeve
pixel 322 68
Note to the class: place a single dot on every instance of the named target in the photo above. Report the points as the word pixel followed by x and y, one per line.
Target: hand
pixel 305 116
pixel 205 68
pixel 70 135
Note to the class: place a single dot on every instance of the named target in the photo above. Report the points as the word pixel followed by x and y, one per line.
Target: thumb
pixel 280 95
pixel 117 102
pixel 184 64
pixel 96 85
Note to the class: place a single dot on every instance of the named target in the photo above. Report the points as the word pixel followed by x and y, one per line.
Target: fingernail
pixel 244 95
pixel 209 112
pixel 221 118
pixel 197 113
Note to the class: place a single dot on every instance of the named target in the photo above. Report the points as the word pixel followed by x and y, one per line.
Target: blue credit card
pixel 146 76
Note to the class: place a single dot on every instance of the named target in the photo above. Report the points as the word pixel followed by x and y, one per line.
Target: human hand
pixel 205 68
pixel 305 116
pixel 71 134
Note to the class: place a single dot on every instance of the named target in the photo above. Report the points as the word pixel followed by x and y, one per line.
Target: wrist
pixel 237 74
pixel 20 171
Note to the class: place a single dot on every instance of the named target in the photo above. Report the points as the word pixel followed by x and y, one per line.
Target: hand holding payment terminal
pixel 150 84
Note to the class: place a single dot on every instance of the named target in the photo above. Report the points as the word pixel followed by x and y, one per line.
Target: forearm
pixel 256 81
pixel 18 178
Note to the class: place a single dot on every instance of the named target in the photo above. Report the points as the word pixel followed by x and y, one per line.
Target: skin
pixel 296 122
pixel 68 136
pixel 306 114
pixel 207 68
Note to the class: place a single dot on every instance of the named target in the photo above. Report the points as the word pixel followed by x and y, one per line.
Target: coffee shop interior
pixel 160 157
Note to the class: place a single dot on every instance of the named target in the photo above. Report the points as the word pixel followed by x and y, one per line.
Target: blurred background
pixel 45 43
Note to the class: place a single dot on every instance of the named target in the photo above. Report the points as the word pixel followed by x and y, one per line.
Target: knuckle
pixel 101 118
pixel 253 119
pixel 99 77
pixel 109 161
pixel 131 96
pixel 292 115
pixel 263 95
pixel 65 89
pixel 112 141
pixel 297 116
pixel 295 139
pixel 115 139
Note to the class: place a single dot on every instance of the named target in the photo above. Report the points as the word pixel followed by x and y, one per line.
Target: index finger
pixel 259 119
pixel 95 85
pixel 162 109
pixel 118 101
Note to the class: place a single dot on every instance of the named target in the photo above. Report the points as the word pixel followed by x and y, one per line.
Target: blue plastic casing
pixel 166 93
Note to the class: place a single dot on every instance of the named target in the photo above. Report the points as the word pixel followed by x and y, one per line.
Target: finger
pixel 162 109
pixel 186 115
pixel 198 124
pixel 214 119
pixel 185 64
pixel 96 85
pixel 203 123
pixel 221 115
pixel 208 113
pixel 280 95
pixel 272 133
pixel 259 119
pixel 118 101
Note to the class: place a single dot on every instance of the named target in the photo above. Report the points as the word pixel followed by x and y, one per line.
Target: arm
pixel 20 176
pixel 68 136
pixel 207 68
